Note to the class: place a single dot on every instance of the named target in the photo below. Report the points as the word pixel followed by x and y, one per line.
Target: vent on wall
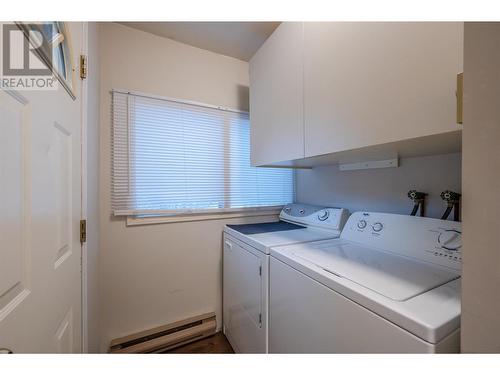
pixel 166 337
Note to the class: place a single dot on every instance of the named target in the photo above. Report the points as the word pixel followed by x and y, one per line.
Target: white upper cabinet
pixel 276 97
pixel 368 84
pixel 343 90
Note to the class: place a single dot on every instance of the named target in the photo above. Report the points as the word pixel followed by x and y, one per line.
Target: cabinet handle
pixel 460 97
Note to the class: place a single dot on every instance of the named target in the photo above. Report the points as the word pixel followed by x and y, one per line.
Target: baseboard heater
pixel 166 337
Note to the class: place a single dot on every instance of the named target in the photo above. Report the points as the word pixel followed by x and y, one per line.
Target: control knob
pixel 362 224
pixel 377 227
pixel 450 239
pixel 323 215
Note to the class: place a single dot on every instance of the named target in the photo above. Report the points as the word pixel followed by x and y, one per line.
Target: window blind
pixel 173 157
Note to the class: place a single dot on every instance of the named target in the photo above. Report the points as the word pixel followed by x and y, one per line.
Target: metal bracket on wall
pixel 390 163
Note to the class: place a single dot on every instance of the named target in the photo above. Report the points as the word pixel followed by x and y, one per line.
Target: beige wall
pixel 481 188
pixel 383 190
pixel 152 275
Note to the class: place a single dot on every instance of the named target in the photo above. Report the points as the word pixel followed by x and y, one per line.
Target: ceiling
pixel 236 39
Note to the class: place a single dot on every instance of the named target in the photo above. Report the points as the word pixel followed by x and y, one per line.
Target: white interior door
pixel 40 210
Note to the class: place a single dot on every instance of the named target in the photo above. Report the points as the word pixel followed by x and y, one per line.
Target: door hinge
pixel 460 97
pixel 83 231
pixel 83 66
pixel 260 270
pixel 260 319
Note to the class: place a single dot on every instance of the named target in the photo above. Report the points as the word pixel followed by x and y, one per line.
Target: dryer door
pixel 243 297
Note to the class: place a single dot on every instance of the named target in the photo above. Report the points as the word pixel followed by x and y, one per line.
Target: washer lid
pixel 392 276
pixel 275 226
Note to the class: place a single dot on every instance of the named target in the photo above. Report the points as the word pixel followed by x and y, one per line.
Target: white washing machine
pixel 389 284
pixel 246 268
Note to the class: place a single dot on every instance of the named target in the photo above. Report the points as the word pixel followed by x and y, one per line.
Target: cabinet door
pixel 373 83
pixel 276 97
pixel 242 298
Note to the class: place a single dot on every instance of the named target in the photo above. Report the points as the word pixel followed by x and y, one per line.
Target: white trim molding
pixel 147 220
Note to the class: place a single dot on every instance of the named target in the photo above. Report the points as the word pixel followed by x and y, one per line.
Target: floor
pixel 216 344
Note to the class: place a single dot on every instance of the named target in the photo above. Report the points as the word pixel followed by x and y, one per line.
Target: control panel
pixel 449 244
pixel 315 216
pixel 432 240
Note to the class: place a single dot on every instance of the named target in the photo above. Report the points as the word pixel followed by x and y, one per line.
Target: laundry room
pixel 249 186
pixel 429 167
pixel 377 178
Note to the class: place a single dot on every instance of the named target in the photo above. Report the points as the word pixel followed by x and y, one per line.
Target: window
pixel 57 45
pixel 172 157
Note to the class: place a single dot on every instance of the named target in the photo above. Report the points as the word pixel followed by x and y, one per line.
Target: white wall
pixel 481 187
pixel 383 190
pixel 93 214
pixel 156 274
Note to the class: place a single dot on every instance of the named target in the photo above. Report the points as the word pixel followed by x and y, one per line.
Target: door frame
pixel 90 121
pixel 84 190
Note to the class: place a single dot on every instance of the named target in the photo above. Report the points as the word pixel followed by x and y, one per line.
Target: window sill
pixel 134 220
